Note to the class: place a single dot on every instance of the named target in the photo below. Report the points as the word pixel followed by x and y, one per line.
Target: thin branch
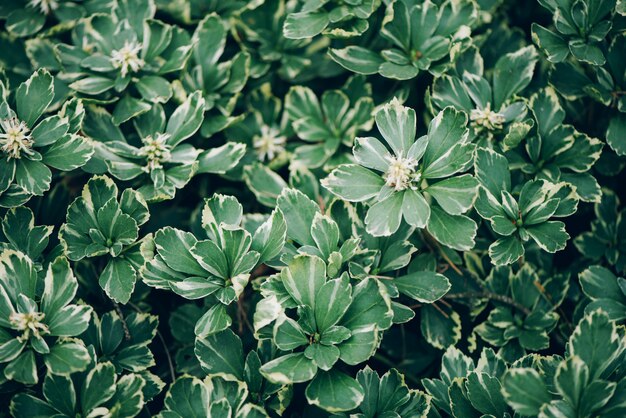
pixel 170 364
pixel 393 365
pixel 443 254
pixel 122 319
pixel 242 315
pixel 441 311
pixel 167 352
pixel 488 295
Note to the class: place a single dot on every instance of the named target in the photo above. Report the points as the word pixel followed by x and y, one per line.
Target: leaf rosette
pixel 35 324
pixel 30 145
pixel 398 178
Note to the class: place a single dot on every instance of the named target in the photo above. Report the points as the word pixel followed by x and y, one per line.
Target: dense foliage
pixel 313 208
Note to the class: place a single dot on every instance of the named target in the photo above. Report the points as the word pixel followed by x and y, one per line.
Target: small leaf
pixel 423 286
pixel 118 280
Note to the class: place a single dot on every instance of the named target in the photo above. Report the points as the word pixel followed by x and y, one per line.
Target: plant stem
pixel 491 296
pixel 433 241
pixel 393 365
pixel 167 352
pixel 122 319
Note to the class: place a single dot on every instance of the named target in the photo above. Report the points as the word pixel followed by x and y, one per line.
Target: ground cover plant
pixel 313 208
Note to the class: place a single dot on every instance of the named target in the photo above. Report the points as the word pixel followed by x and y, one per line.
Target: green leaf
pixel 506 250
pixel 19 228
pixel 492 171
pixel 525 391
pixel 221 353
pixel 357 59
pixel 512 74
pixel 454 231
pixel 423 286
pixel 303 279
pixel 370 306
pixel 269 238
pixel 118 280
pixel 25 21
pixel 396 124
pixel 332 301
pixel 68 153
pixel 550 236
pixel 23 369
pixel 127 108
pixel 264 183
pixel 154 89
pixel 325 233
pixel 219 160
pixel 33 176
pixel 98 387
pixel 587 52
pixel 383 218
pixel 371 153
pixel 353 183
pixel 616 133
pixel 447 152
pixel 174 247
pixel 288 369
pixel 604 288
pixel 439 330
pixel 216 319
pixel 211 258
pixel 456 194
pixel 415 209
pixel 129 395
pixel 324 356
pixel 27 406
pixel 305 24
pixel 187 397
pixel 134 205
pixel 186 119
pixel 397 24
pixel 398 72
pixel 49 130
pixel 93 85
pixel 34 96
pixel 552 44
pixel 484 393
pixel 288 335
pixel 299 212
pixel 600 283
pixel 197 287
pixel 572 376
pixel 334 391
pixel 597 342
pixel 68 357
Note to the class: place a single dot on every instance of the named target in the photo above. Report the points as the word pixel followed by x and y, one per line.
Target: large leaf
pixel 334 391
pixel 221 353
pixel 525 391
pixel 33 96
pixel 290 368
pixel 512 74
